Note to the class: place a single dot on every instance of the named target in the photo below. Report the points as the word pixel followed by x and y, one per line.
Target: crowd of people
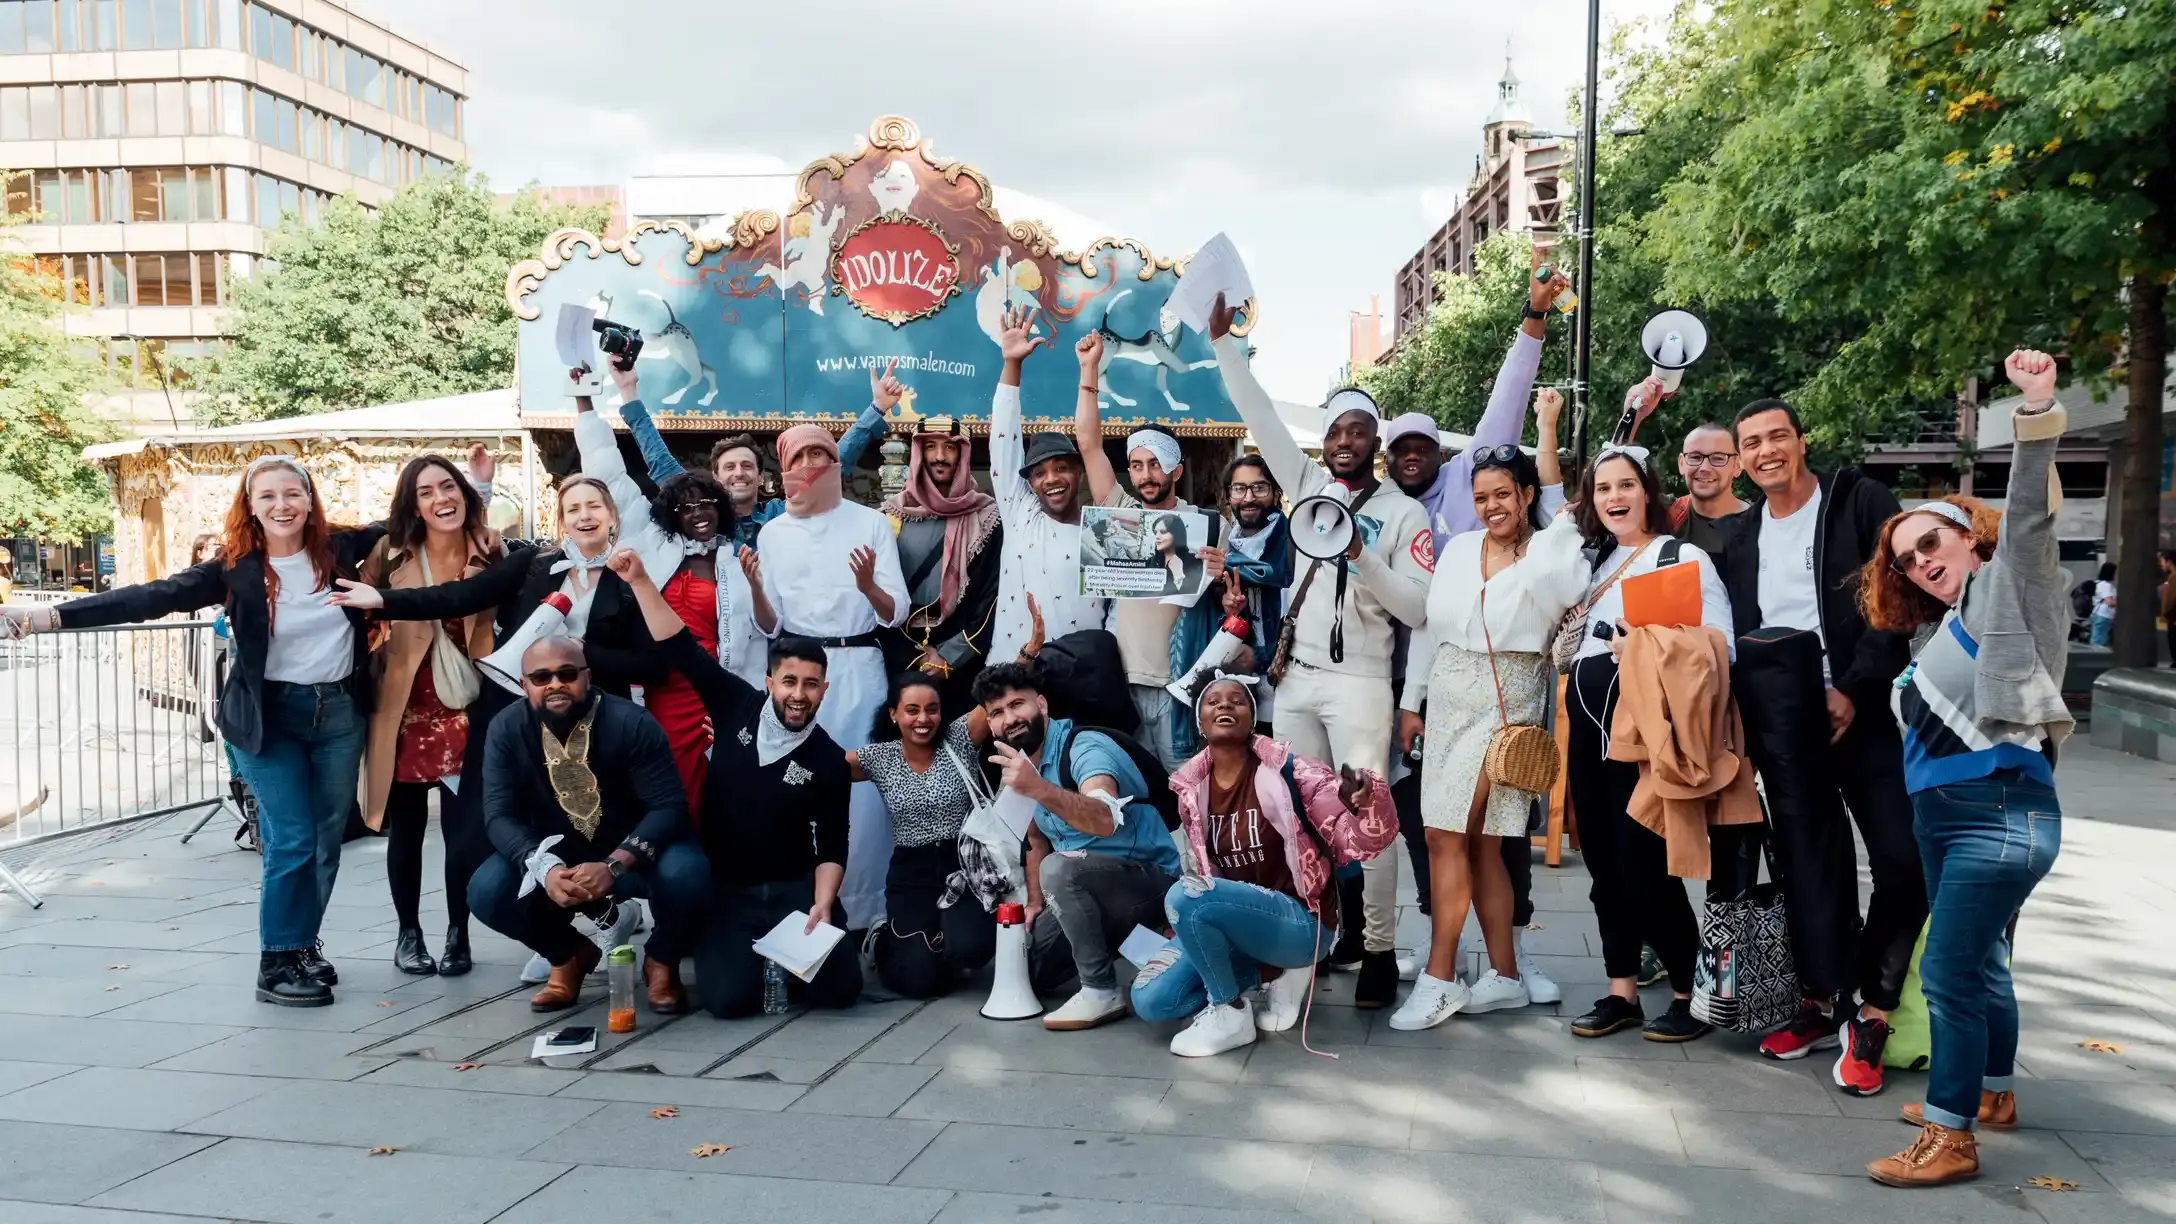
pixel 738 708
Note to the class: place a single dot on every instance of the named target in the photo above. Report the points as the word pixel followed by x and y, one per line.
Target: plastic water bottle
pixel 620 985
pixel 774 989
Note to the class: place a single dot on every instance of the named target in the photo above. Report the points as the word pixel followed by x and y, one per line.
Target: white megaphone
pixel 1672 341
pixel 504 664
pixel 1226 643
pixel 1012 996
pixel 1322 527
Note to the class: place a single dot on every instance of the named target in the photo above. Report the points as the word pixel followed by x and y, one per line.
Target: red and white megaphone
pixel 1222 646
pixel 1012 995
pixel 504 664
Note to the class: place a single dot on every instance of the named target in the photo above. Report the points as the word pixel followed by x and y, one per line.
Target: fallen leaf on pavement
pixel 117 966
pixel 173 928
pixel 383 1151
pixel 182 897
pixel 665 1111
pixel 113 987
pixel 387 1003
pixel 2051 1183
pixel 466 1066
pixel 1534 926
pixel 2100 1047
pixel 707 1150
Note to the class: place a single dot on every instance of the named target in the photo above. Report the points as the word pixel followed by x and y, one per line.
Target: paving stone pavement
pixel 140 1082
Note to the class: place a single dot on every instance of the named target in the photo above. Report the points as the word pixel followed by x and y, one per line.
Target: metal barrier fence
pixel 102 727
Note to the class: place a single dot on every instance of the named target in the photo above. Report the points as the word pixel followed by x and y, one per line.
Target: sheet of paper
pixel 573 335
pixel 795 951
pixel 545 1049
pixel 1016 810
pixel 1215 268
pixel 1141 945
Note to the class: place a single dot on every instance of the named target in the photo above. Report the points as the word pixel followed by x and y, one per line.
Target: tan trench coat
pixel 398 649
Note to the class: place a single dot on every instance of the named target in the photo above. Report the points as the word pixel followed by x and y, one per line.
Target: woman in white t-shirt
pixel 292 710
pixel 1623 514
pixel 2103 625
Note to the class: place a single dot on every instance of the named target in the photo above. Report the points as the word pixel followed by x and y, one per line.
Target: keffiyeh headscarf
pixel 969 515
pixel 810 490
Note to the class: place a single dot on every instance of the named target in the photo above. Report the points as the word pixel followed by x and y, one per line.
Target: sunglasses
pixel 696 503
pixel 1496 456
pixel 1921 549
pixel 1719 459
pixel 545 675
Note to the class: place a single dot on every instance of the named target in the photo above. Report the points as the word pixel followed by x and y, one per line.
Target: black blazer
pixel 620 651
pixel 643 809
pixel 240 588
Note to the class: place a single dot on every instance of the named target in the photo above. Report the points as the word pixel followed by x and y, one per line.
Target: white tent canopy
pixel 481 412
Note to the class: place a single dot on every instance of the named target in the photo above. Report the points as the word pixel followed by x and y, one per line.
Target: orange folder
pixel 1667 596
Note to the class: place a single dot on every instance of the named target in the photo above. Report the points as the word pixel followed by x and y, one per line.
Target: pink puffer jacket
pixel 1353 836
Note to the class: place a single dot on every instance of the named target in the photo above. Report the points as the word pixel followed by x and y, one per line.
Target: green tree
pixel 1960 177
pixel 372 307
pixel 46 488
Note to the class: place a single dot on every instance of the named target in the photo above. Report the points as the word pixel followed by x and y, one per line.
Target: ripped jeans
pixel 1225 933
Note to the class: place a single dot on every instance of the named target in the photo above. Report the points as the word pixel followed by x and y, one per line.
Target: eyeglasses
pixel 1259 488
pixel 1921 549
pixel 545 675
pixel 1495 456
pixel 1718 459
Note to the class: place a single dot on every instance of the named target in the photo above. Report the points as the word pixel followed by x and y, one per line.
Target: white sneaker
pixel 1085 1010
pixel 1412 960
pixel 1494 992
pixel 1539 989
pixel 1282 1000
pixel 1431 1002
pixel 1216 1029
pixel 537 970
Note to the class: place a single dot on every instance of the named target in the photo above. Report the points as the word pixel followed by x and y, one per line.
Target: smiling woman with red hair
pixel 1982 710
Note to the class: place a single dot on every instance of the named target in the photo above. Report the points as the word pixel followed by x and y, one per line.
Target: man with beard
pixel 1038 487
pixel 1813 683
pixel 831 572
pixel 1098 853
pixel 950 542
pixel 1334 699
pixel 585 811
pixel 774 810
pixel 737 462
pixel 1709 516
pixel 1145 628
pixel 1257 572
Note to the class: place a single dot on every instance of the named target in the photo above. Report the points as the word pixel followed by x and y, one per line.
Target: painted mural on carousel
pixel 888 253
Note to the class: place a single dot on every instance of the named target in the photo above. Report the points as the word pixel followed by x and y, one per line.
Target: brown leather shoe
pixel 1937 1157
pixel 564 987
pixel 663 978
pixel 1998 1111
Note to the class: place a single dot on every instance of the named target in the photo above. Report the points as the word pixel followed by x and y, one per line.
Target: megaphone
pixel 1322 527
pixel 1672 341
pixel 1222 646
pixel 1012 997
pixel 504 664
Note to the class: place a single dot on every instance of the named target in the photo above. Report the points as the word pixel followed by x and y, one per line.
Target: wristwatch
pixel 616 867
pixel 1528 312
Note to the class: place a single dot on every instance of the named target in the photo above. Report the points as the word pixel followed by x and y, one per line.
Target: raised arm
pixel 885 393
pixel 600 456
pixel 1008 448
pixel 1088 420
pixel 657 789
pixel 719 689
pixel 1548 406
pixel 2028 539
pixel 1298 475
pixel 648 440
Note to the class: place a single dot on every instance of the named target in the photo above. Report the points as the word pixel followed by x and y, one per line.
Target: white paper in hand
pixel 795 951
pixel 576 348
pixel 1215 268
pixel 1141 945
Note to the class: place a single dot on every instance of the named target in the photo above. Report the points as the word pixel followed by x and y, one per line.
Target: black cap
pixel 1044 446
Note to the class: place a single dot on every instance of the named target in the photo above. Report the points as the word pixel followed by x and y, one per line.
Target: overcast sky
pixel 1330 138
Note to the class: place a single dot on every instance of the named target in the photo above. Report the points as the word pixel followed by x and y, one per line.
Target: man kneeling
pixel 1266 828
pixel 774 817
pixel 585 811
pixel 1098 854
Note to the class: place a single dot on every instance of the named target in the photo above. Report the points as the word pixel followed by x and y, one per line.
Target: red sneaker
pixel 1812 1029
pixel 1858 1068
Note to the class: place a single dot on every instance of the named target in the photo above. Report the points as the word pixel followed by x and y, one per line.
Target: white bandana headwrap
pixel 1637 454
pixel 1349 399
pixel 1158 444
pixel 1220 676
pixel 1946 510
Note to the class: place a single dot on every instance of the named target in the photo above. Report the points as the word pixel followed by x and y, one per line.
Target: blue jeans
pixel 1985 844
pixel 1224 934
pixel 2100 629
pixel 304 780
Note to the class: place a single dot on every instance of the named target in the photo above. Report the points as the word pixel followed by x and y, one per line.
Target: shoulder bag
pixel 1571 633
pixel 1520 755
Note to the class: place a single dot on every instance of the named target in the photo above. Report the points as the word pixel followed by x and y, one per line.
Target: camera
pixel 619 342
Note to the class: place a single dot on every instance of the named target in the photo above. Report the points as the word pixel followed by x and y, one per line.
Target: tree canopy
pixel 372 307
pixel 46 488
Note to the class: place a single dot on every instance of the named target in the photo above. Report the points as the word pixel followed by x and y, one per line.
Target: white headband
pixel 1637 454
pixel 262 462
pixel 1947 510
pixel 1158 444
pixel 1349 399
pixel 1220 676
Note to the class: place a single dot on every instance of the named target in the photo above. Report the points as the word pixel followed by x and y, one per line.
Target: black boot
pixel 456 961
pixel 281 979
pixel 1378 984
pixel 314 963
pixel 410 956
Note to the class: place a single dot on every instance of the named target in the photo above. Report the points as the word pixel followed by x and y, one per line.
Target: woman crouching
pixel 1264 830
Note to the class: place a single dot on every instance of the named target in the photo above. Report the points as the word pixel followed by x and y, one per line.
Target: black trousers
pixel 1636 899
pixel 923 951
pixel 460 826
pixel 729 974
pixel 1811 786
pixel 677 886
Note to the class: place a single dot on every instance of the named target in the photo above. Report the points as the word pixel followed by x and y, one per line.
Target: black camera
pixel 620 343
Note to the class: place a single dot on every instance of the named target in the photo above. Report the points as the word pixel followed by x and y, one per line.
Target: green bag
pixel 1911 1037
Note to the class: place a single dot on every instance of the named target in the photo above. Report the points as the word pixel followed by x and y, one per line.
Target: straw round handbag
pixel 1520 755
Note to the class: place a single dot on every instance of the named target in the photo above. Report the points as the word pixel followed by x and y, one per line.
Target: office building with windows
pixel 152 144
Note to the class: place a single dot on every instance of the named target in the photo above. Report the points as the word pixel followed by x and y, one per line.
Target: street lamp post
pixel 1582 323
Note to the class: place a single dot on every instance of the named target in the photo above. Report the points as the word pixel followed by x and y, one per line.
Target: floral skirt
pixel 1462 718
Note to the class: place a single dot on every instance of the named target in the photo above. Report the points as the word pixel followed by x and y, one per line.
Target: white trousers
pixel 1347 720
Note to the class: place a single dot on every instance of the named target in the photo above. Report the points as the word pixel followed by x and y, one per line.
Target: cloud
pixel 1330 140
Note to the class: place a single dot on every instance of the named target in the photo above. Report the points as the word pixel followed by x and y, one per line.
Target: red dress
pixel 673 703
pixel 433 739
